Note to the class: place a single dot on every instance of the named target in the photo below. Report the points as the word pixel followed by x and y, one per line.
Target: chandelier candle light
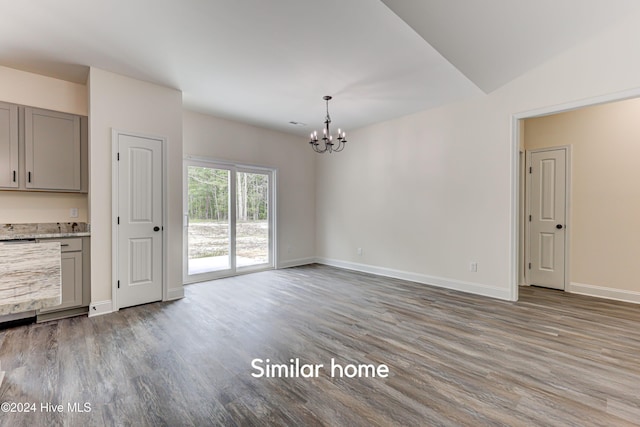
pixel 327 138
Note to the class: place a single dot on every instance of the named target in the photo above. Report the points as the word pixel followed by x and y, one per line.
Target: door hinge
pixel 118 284
pixel 529 268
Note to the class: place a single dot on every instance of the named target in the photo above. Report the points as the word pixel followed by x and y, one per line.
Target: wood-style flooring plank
pixel 454 359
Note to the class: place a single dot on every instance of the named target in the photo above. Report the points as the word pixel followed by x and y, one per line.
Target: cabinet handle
pixel 14 176
pixel 29 178
pixel 64 244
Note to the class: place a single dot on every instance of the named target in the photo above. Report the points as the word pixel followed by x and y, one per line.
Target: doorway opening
pixel 229 219
pixel 601 164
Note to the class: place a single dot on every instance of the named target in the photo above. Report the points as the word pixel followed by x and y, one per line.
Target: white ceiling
pixel 268 62
pixel 494 41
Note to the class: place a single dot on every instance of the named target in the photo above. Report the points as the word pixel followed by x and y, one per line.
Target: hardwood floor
pixel 454 359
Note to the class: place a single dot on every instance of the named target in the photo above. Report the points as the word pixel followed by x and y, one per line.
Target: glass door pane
pixel 252 219
pixel 209 229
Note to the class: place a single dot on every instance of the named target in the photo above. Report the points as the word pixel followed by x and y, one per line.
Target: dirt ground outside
pixel 211 238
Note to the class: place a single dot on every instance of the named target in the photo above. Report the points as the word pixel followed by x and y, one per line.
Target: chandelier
pixel 327 143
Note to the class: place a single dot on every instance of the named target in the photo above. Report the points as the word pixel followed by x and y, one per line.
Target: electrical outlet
pixel 473 267
pixel 73 213
pixel 359 251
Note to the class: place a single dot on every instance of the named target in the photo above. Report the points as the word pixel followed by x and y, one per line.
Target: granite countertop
pixel 44 230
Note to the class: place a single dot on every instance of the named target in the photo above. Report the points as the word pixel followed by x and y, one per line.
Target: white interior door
pixel 139 223
pixel 547 218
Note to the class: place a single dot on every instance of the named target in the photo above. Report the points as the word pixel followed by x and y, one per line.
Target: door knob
pixel 156 228
pixel 559 226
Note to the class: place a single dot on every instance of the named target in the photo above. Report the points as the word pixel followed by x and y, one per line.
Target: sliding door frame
pixel 233 168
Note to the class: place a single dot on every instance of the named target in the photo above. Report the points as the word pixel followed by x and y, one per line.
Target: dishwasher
pixel 10 320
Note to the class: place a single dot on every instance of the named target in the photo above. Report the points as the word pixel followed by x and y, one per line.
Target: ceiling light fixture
pixel 327 138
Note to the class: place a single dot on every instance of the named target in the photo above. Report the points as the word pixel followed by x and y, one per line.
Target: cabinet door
pixel 52 150
pixel 8 145
pixel 71 281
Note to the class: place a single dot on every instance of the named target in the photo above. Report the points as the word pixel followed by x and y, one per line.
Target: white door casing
pixel 138 220
pixel 547 210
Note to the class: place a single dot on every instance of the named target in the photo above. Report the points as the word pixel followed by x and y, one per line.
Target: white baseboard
pixel 99 308
pixel 602 292
pixel 473 288
pixel 175 293
pixel 296 262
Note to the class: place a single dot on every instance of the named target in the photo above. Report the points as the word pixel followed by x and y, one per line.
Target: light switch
pixel 73 213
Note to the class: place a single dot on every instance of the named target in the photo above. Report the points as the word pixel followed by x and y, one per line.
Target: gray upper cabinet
pixel 8 145
pixel 52 150
pixel 42 150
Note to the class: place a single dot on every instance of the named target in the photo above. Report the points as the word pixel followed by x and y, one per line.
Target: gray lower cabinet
pixel 75 278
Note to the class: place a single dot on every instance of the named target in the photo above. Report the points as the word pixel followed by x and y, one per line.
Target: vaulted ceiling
pixel 269 62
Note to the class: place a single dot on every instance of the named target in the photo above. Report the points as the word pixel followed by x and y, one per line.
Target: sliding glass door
pixel 228 219
pixel 209 225
pixel 252 218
